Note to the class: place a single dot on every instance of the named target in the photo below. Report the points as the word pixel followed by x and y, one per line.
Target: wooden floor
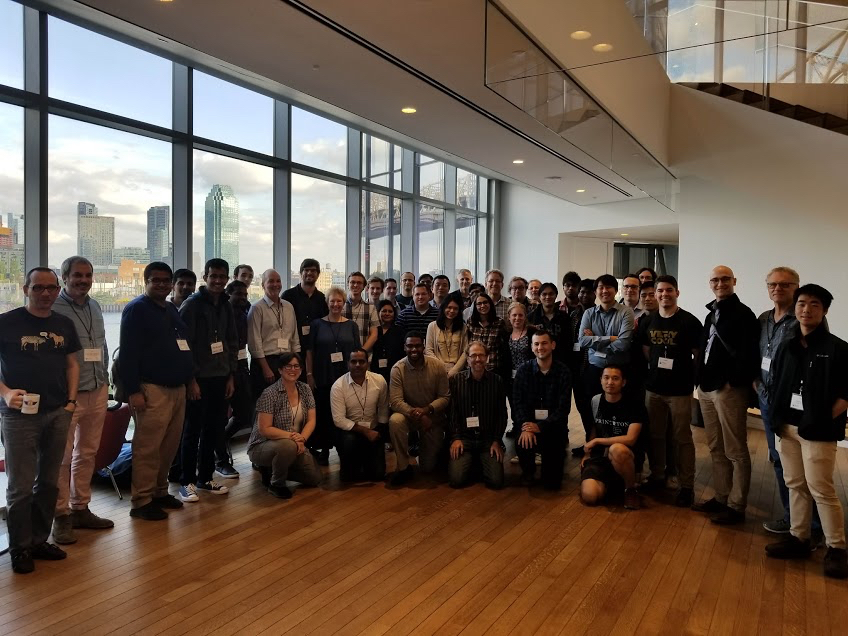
pixel 428 560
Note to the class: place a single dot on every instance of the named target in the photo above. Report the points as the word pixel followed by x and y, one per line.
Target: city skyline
pixel 222 224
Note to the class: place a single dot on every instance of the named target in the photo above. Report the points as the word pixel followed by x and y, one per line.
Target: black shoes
pixel 710 506
pixel 836 563
pixel 281 492
pixel 149 512
pixel 48 552
pixel 401 477
pixel 168 502
pixel 790 547
pixel 22 562
pixel 728 517
pixel 685 498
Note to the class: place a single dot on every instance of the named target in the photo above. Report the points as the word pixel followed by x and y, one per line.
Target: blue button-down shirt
pixel 616 321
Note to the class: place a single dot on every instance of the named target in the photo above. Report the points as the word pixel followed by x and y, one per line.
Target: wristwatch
pixel 74 402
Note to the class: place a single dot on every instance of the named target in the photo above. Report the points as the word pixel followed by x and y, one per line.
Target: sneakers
pixel 149 512
pixel 22 562
pixel 631 499
pixel 711 506
pixel 226 471
pixel 401 477
pixel 63 530
pixel 86 519
pixel 790 547
pixel 538 459
pixel 188 493
pixel 685 498
pixel 281 492
pixel 211 487
pixel 778 526
pixel 836 563
pixel 514 460
pixel 168 502
pixel 728 517
pixel 48 552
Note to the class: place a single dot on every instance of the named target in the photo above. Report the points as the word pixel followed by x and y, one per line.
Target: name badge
pixel 797 402
pixel 472 422
pixel 666 363
pixel 282 343
pixel 600 354
pixel 382 363
pixel 541 414
pixel 182 344
pixel 242 354
pixel 514 371
pixel 575 346
pixel 216 347
pixel 305 330
pixel 92 355
pixel 337 357
pixel 765 365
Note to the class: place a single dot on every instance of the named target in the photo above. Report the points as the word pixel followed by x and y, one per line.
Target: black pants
pixel 582 400
pixel 204 431
pixel 323 437
pixel 550 443
pixel 359 458
pixel 242 404
pixel 257 380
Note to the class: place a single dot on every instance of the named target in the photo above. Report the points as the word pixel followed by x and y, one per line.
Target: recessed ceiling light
pixel 581 35
pixel 408 110
pixel 625 234
pixel 602 47
pixel 581 190
pixel 696 24
pixel 518 161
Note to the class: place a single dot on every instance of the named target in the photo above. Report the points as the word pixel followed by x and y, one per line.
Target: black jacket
pixel 734 356
pixel 208 323
pixel 823 366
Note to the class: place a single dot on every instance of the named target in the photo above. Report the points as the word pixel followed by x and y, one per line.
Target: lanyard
pixel 356 395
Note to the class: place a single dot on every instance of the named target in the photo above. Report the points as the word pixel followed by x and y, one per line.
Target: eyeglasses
pixel 630 286
pixel 292 367
pixel 722 279
pixel 38 289
pixel 159 281
pixel 781 285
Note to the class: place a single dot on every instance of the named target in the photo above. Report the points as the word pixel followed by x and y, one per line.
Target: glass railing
pixel 759 41
pixel 523 74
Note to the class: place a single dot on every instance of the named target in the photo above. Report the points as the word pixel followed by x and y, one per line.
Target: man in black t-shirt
pixel 609 463
pixel 37 357
pixel 670 340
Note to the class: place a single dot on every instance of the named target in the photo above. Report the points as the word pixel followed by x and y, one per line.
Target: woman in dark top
pixel 333 338
pixel 485 326
pixel 516 349
pixel 389 346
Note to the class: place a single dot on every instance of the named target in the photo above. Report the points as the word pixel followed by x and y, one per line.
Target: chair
pixel 112 440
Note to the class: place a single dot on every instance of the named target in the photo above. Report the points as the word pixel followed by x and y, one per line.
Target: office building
pixel 159 233
pixel 222 224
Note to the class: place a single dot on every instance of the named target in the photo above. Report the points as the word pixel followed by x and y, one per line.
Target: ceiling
pixel 667 234
pixel 366 60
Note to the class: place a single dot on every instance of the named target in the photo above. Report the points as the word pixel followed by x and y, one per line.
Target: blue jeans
pixel 778 467
pixel 35 445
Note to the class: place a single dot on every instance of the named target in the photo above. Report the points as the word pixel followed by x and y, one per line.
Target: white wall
pixel 531 224
pixel 758 190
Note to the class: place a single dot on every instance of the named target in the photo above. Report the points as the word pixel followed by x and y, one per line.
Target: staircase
pixel 827 121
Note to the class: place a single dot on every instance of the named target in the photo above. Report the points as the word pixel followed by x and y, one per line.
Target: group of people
pixel 414 368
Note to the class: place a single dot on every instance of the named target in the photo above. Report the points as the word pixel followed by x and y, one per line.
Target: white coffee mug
pixel 31 402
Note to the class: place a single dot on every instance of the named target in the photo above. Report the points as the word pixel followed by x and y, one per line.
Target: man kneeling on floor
pixel 477 421
pixel 609 462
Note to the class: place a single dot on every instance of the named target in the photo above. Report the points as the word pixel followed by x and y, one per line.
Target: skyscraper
pixel 159 232
pixel 222 225
pixel 16 222
pixel 95 235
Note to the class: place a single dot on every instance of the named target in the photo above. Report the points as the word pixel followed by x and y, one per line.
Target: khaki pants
pixel 431 442
pixel 156 440
pixel 680 408
pixel 83 441
pixel 725 414
pixel 808 471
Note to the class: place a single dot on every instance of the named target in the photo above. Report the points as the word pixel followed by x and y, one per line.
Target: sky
pixel 125 174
